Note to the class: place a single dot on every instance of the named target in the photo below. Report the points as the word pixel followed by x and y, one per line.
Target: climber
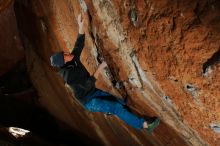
pixel 83 85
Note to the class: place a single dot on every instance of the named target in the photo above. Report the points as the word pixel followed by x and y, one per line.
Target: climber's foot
pixel 152 124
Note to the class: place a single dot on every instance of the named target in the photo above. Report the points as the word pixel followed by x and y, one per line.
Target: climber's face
pixel 67 57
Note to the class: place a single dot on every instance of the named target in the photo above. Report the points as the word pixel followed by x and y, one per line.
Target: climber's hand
pixel 100 68
pixel 103 65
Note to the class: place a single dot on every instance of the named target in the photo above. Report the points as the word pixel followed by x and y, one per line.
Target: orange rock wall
pixel 164 53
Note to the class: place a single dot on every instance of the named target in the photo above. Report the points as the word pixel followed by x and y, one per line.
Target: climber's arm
pixel 79 44
pixel 99 70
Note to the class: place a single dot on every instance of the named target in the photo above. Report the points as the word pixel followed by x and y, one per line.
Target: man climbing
pixel 83 85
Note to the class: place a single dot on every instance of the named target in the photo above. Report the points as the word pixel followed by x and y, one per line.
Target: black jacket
pixel 76 75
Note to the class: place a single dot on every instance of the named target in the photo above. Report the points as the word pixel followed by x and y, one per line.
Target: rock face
pixel 164 53
pixel 11 48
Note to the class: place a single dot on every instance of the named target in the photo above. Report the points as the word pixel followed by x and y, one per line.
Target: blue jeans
pixel 104 102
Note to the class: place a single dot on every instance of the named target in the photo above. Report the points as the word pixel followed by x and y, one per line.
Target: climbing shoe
pixel 152 124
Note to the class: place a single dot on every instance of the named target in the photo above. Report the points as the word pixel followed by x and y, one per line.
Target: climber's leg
pixel 106 96
pixel 116 108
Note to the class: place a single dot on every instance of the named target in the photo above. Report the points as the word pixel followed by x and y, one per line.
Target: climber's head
pixel 60 58
pixel 67 57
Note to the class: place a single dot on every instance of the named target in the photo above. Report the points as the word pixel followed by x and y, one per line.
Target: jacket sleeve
pixel 90 83
pixel 78 47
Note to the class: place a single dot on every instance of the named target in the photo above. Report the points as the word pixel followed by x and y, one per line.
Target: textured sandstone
pixel 165 53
